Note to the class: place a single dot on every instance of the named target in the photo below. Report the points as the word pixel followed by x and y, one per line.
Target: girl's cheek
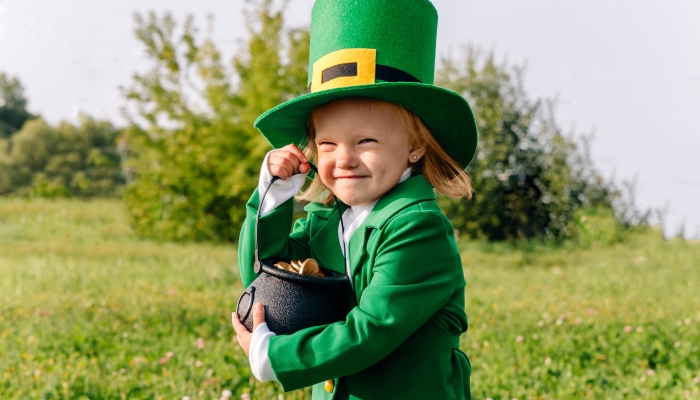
pixel 325 169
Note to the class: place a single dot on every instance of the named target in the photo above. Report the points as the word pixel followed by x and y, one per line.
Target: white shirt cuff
pixel 259 361
pixel 281 190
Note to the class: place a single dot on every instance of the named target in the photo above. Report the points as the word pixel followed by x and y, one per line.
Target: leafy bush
pixel 62 161
pixel 529 177
pixel 192 144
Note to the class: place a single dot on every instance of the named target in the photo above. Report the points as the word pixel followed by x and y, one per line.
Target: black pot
pixel 292 301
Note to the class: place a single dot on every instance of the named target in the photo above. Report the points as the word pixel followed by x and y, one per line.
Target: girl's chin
pixel 356 200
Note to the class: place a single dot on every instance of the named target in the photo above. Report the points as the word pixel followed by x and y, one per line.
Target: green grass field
pixel 89 311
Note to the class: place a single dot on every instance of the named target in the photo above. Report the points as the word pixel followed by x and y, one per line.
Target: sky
pixel 625 71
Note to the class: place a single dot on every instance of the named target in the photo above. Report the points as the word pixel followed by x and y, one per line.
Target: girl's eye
pixel 325 145
pixel 367 140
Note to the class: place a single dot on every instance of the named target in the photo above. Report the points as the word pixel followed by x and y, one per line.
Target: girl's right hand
pixel 288 161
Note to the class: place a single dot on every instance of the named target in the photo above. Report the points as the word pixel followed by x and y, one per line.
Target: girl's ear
pixel 415 154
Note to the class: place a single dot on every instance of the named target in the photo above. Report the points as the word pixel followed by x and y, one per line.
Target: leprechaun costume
pixel 401 341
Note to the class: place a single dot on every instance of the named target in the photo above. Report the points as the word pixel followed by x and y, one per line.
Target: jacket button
pixel 329 386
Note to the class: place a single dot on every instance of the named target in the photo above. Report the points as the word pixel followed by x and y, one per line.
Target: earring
pixel 415 157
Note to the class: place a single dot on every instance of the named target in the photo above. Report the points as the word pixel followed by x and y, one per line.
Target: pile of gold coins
pixel 306 267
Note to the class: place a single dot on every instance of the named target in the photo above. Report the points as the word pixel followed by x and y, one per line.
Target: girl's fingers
pixel 292 148
pixel 290 165
pixel 284 163
pixel 293 153
pixel 279 166
pixel 279 172
pixel 242 334
pixel 288 161
pixel 238 326
pixel 258 315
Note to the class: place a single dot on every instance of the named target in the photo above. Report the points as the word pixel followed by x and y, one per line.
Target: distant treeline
pixel 195 155
pixel 67 160
pixel 61 161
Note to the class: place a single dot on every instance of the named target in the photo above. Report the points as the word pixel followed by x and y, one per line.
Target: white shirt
pixel 281 191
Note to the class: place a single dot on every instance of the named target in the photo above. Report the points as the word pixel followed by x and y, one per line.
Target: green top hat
pixel 383 50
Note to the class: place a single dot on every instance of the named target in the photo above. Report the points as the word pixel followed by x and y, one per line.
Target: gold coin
pixel 285 266
pixel 309 267
pixel 311 263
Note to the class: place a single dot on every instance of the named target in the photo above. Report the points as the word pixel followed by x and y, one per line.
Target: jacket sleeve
pixel 413 278
pixel 274 239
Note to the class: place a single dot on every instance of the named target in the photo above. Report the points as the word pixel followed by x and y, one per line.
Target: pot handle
pixel 257 266
pixel 251 293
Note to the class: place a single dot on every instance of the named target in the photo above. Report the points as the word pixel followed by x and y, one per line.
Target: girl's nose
pixel 346 158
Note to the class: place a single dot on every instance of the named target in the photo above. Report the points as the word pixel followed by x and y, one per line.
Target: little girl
pixel 383 136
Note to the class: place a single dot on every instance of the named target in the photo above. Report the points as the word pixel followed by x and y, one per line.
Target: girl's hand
pixel 242 333
pixel 288 161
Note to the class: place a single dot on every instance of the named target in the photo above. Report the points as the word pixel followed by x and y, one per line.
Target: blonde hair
pixel 442 171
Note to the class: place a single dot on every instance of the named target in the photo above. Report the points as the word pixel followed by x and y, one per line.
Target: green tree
pixel 192 145
pixel 529 177
pixel 13 106
pixel 61 161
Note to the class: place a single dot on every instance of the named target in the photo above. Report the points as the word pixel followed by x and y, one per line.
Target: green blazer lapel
pixel 411 191
pixel 357 249
pixel 324 241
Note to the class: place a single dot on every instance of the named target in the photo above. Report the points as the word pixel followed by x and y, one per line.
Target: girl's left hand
pixel 242 333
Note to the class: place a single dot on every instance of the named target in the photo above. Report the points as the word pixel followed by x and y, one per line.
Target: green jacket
pixel 402 339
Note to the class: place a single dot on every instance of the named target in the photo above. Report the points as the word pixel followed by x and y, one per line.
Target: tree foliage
pixel 13 106
pixel 529 177
pixel 192 145
pixel 61 161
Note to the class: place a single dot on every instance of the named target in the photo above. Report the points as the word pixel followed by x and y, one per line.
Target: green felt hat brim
pixel 446 114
